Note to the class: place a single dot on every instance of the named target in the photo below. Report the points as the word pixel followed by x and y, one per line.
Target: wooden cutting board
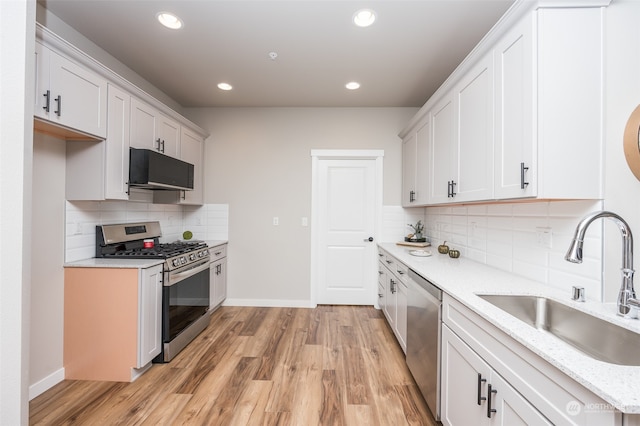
pixel 411 244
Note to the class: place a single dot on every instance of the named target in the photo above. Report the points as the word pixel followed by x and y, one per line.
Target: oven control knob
pixel 183 260
pixel 192 256
pixel 176 262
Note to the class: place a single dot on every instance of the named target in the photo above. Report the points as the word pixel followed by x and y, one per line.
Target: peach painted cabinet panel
pixel 111 322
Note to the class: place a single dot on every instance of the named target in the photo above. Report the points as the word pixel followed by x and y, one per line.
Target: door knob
pixel 368 239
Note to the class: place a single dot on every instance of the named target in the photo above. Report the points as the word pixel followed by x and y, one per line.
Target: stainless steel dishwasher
pixel 424 313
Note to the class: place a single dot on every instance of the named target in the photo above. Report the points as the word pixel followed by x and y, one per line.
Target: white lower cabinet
pixel 393 287
pixel 484 369
pixel 149 315
pixel 474 394
pixel 217 276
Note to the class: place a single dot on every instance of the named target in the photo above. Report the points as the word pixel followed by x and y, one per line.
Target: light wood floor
pixel 333 365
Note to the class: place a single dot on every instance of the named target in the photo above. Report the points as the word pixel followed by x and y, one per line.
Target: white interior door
pixel 345 212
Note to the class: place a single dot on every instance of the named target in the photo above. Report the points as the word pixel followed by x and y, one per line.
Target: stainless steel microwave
pixel 149 169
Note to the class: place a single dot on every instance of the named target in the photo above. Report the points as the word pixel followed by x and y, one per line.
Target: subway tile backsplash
pixel 208 222
pixel 528 239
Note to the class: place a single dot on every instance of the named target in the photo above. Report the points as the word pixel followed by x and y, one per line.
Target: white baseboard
pixel 45 384
pixel 269 303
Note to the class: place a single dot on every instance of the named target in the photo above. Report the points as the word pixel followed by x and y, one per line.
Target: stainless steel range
pixel 185 293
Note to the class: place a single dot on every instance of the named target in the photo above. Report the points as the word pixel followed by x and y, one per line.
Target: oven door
pixel 185 301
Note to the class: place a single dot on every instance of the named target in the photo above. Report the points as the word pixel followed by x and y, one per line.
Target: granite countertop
pixel 114 263
pixel 215 243
pixel 463 279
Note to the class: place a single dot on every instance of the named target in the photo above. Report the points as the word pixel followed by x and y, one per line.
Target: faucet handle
pixel 577 294
pixel 634 304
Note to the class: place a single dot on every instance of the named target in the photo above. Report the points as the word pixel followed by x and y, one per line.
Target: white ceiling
pixel 400 61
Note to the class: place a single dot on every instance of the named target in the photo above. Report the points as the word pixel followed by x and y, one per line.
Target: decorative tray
pixel 420 253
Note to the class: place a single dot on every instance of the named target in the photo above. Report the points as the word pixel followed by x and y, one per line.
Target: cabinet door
pixel 149 314
pixel 143 126
pixel 221 281
pixel 463 398
pixel 117 145
pixel 474 150
pixel 442 152
pixel 169 133
pixel 382 284
pixel 515 146
pixel 217 282
pixel 42 88
pixel 78 97
pixel 409 158
pixel 511 409
pixel 423 136
pixel 391 297
pixel 401 315
pixel 192 151
pixel 415 166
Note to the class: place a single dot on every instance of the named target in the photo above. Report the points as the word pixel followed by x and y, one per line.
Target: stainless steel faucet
pixel 574 254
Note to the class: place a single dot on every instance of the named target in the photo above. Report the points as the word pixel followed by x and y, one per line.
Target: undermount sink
pixel 595 337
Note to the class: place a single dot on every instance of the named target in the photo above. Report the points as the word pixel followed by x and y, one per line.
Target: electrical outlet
pixel 544 237
pixel 305 221
pixel 276 221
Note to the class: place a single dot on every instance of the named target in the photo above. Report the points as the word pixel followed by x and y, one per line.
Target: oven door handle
pixel 175 277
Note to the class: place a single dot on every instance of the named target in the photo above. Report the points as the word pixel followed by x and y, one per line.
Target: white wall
pixel 16 114
pixel 622 189
pixel 259 162
pixel 47 254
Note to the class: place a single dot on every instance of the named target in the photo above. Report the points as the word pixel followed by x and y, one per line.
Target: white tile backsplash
pixel 207 222
pixel 505 236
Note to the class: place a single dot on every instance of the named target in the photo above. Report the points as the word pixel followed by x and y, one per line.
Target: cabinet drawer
pixel 402 272
pixel 218 252
pixel 544 386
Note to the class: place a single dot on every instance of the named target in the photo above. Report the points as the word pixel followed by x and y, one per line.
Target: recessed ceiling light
pixel 224 86
pixel 364 17
pixel 169 20
pixel 352 85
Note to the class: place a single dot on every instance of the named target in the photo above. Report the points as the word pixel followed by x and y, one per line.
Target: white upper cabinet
pixel 522 116
pixel 152 130
pixel 69 95
pixel 99 170
pixel 409 150
pixel 473 168
pixel 515 148
pixel 442 155
pixel 570 107
pixel 192 151
pixel 415 166
pixel 117 145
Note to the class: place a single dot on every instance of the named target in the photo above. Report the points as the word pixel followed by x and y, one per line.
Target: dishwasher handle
pixel 425 284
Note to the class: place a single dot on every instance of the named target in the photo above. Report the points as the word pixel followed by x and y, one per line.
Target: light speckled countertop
pixel 114 263
pixel 215 243
pixel 462 279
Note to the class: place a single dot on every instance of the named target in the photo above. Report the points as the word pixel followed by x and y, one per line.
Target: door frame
pixel 318 155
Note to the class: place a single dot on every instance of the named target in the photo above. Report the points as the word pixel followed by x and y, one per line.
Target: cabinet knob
pixel 59 104
pixel 368 239
pixel 490 392
pixel 480 382
pixel 48 102
pixel 523 169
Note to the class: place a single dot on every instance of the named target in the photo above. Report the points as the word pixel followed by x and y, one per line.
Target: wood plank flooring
pixel 333 365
